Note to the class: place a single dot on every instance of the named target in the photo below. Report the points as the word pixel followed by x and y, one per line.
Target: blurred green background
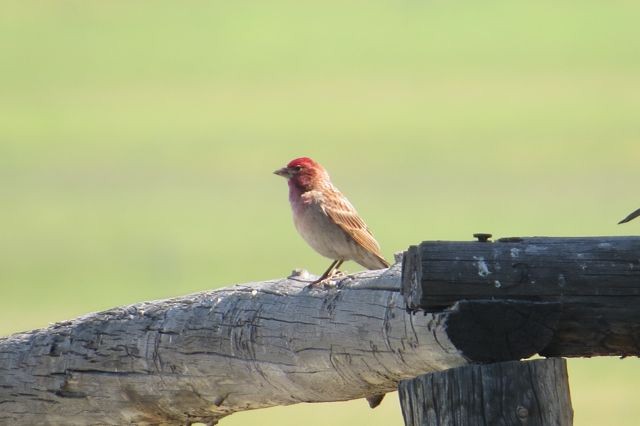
pixel 137 141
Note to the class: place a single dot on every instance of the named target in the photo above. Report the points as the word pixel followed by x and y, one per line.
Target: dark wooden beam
pixel 516 297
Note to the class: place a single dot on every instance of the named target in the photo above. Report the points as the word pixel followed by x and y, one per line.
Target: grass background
pixel 137 141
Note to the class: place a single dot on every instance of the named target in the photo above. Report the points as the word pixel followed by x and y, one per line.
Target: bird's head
pixel 304 173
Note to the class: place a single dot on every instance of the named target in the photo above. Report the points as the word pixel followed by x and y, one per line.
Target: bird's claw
pixel 327 282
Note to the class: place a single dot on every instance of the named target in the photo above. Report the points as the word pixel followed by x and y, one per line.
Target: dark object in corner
pixel 630 217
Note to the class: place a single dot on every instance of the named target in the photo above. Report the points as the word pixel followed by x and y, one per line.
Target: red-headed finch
pixel 326 219
pixel 329 223
pixel 630 217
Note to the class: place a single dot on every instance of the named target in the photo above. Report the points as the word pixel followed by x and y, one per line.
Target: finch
pixel 630 217
pixel 326 220
pixel 329 223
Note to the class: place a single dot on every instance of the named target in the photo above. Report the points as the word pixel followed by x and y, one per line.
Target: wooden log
pixel 553 296
pixel 201 357
pixel 513 393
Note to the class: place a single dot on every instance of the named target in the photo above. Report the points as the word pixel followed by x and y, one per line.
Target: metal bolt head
pixel 482 237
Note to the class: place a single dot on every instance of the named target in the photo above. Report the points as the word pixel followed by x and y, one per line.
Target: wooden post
pixel 531 393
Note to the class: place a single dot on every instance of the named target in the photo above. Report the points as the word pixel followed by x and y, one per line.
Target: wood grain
pixel 553 296
pixel 514 393
pixel 201 357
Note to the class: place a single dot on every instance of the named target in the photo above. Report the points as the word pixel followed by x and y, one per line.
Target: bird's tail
pixel 383 261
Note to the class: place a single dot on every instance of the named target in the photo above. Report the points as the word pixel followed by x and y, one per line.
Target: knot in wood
pixel 522 413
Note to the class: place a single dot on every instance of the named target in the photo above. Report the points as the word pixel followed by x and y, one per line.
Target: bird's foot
pixel 324 283
pixel 327 281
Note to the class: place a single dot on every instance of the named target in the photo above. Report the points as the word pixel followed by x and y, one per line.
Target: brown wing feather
pixel 342 212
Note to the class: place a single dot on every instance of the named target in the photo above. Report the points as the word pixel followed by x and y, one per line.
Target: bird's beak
pixel 284 172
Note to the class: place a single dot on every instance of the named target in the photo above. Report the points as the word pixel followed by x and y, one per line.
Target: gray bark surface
pixel 201 357
pixel 513 393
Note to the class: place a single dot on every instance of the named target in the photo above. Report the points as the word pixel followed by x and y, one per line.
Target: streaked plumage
pixel 326 220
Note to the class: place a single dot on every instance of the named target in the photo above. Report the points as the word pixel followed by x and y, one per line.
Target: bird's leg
pixel 328 273
pixel 335 269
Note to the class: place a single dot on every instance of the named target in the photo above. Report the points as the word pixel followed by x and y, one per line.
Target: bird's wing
pixel 630 217
pixel 342 212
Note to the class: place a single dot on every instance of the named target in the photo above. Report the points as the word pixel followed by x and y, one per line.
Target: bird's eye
pixel 297 168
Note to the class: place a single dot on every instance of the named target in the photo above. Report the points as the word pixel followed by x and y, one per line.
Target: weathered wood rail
pixel 201 357
pixel 516 297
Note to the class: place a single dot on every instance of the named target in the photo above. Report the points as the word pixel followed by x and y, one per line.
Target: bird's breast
pixel 320 232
